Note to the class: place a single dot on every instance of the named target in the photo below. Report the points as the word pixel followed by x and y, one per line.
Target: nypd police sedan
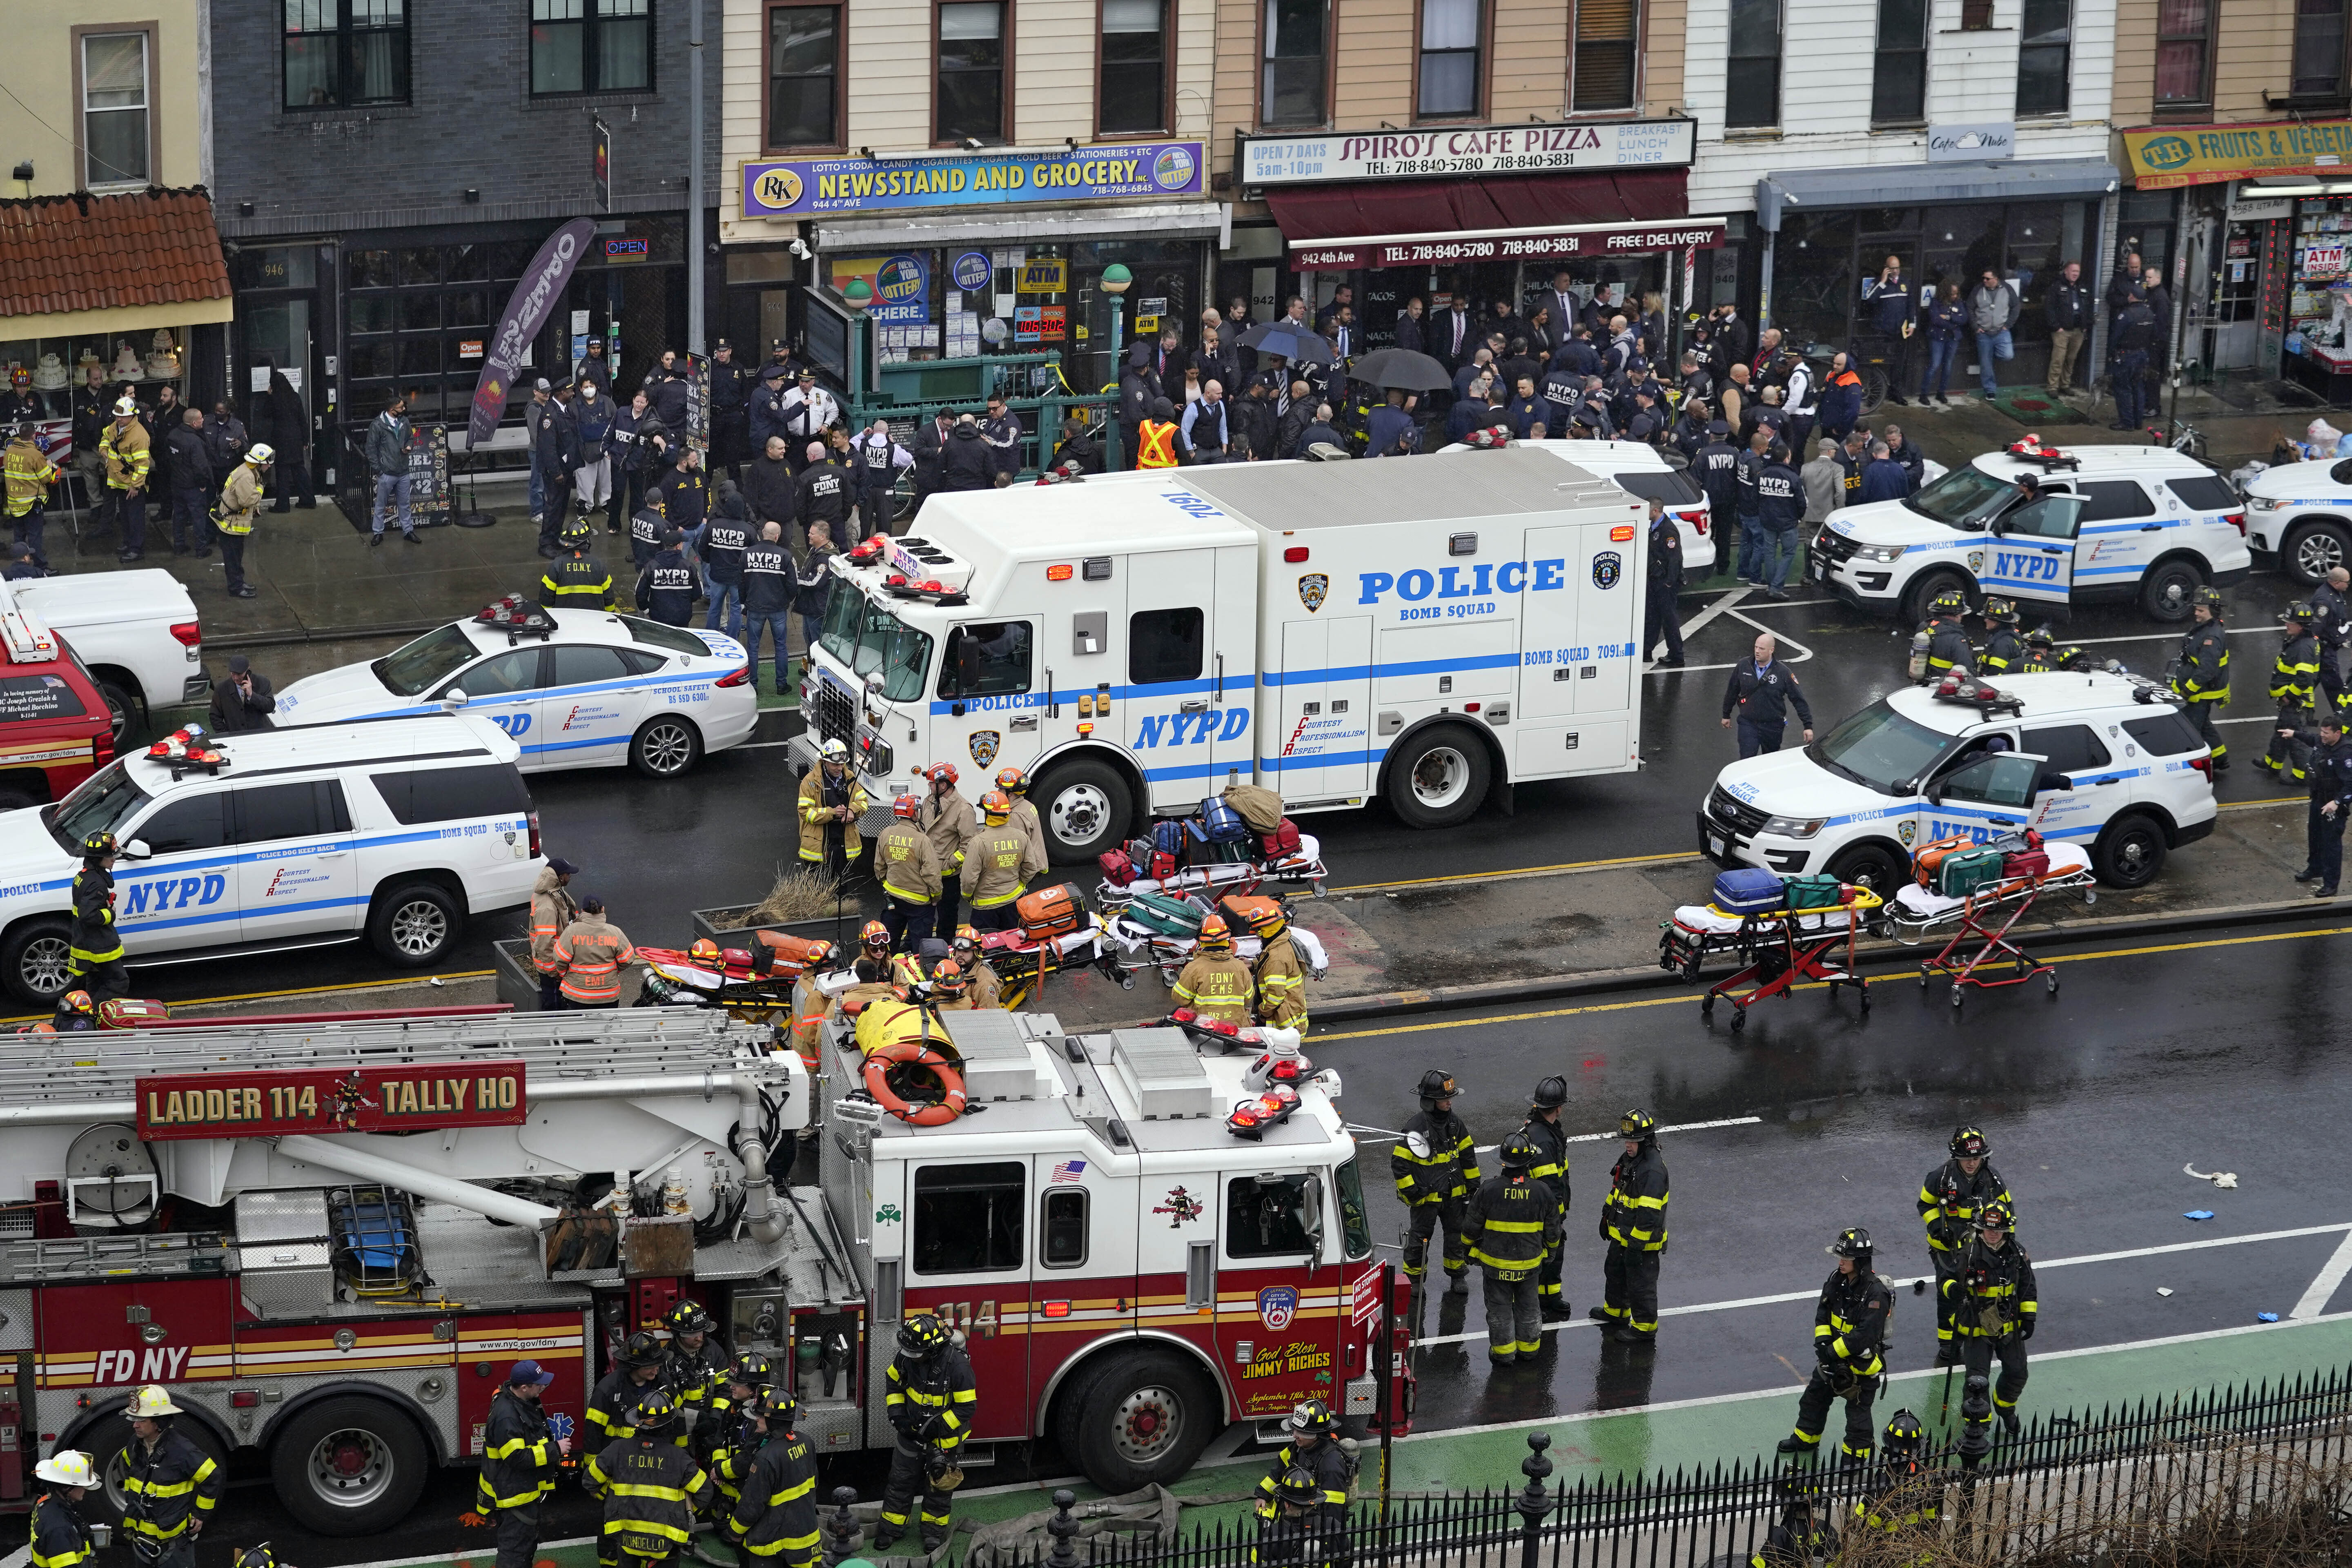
pixel 575 689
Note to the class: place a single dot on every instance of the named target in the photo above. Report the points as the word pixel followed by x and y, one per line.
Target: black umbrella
pixel 1401 370
pixel 1290 341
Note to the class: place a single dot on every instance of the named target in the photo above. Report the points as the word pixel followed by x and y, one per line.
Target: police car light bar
pixel 184 751
pixel 517 617
pixel 2031 449
pixel 1977 694
pixel 30 641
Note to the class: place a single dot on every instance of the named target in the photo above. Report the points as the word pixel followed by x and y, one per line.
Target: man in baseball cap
pixel 519 1460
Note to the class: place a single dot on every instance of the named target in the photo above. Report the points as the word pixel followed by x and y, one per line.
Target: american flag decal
pixel 1069 1170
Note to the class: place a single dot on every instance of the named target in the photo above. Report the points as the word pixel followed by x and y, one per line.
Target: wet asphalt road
pixel 655 851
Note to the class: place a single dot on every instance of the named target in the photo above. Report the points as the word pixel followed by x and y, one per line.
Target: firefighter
pixel 75 1014
pixel 635 1371
pixel 60 1539
pixel 2004 650
pixel 94 952
pixel 2039 642
pixel 909 868
pixel 931 1404
pixel 1287 1520
pixel 736 1438
pixel 1015 785
pixel 650 1486
pixel 1633 1223
pixel 775 1520
pixel 1997 1305
pixel 985 987
pixel 518 1464
pixel 1277 975
pixel 553 909
pixel 1803 1531
pixel 1551 1169
pixel 171 1484
pixel 1310 1445
pixel 1946 644
pixel 2201 672
pixel 947 818
pixel 575 579
pixel 1849 1333
pixel 1905 1495
pixel 1006 857
pixel 1435 1167
pixel 952 988
pixel 1216 984
pixel 1511 1225
pixel 832 800
pixel 1948 1199
pixel 589 955
pixel 695 1367
pixel 2293 680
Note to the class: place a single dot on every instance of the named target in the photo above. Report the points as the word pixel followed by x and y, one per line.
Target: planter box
pixel 518 981
pixel 725 927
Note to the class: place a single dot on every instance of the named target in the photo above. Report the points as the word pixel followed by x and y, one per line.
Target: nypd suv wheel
pixel 1085 806
pixel 33 961
pixel 2313 550
pixel 415 925
pixel 1438 776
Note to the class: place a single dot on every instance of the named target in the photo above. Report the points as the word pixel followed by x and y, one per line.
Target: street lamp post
pixel 858 295
pixel 1116 281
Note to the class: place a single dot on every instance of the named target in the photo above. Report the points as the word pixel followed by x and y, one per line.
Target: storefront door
pixel 278 336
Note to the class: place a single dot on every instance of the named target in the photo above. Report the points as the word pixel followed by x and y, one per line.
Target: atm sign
pixel 403 1099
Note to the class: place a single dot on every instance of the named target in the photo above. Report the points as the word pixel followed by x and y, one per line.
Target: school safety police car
pixel 286 839
pixel 1915 766
pixel 2301 513
pixel 2113 523
pixel 575 689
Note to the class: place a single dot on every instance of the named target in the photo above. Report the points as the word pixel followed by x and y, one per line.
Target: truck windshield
pixel 1355 1224
pixel 101 804
pixel 1881 748
pixel 1966 498
pixel 431 658
pixel 866 638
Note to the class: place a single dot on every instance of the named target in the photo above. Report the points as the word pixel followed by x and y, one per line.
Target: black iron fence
pixel 2121 1484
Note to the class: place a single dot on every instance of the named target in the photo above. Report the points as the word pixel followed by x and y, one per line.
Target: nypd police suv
pixel 575 689
pixel 2301 514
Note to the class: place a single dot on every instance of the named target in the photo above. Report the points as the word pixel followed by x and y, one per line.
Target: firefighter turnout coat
pixel 998 864
pixel 518 1457
pixel 776 1515
pixel 1514 1219
pixel 817 799
pixel 2203 670
pixel 1634 1215
pixel 908 863
pixel 1281 983
pixel 60 1539
pixel 1217 987
pixel 1949 1199
pixel 589 955
pixel 552 910
pixel 168 1486
pixel 1995 1290
pixel 931 1401
pixel 1434 1159
pixel 651 1489
pixel 1851 1319
pixel 94 939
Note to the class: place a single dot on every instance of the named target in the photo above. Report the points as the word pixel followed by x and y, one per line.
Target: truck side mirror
pixel 1310 1218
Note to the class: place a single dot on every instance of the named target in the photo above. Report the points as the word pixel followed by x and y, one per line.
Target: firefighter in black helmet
pixel 1290 1527
pixel 1905 1495
pixel 931 1404
pixel 1311 1447
pixel 732 1438
pixel 1633 1223
pixel 1803 1531
pixel 1948 640
pixel 1512 1222
pixel 2039 642
pixel 2201 673
pixel 774 1518
pixel 636 1369
pixel 651 1487
pixel 1998 1306
pixel 94 950
pixel 1948 1199
pixel 575 579
pixel 2294 687
pixel 1436 1167
pixel 694 1368
pixel 2004 649
pixel 1551 1169
pixel 1849 1335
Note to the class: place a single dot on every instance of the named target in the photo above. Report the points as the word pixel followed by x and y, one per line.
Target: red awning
pixel 1478 205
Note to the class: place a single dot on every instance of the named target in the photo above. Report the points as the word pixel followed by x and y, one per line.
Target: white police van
pixel 1915 767
pixel 294 837
pixel 576 689
pixel 1641 471
pixel 2301 513
pixel 2115 523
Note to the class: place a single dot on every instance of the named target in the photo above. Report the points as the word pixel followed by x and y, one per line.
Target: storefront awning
pixel 1361 214
pixel 1557 241
pixel 1025 225
pixel 1910 184
pixel 98 264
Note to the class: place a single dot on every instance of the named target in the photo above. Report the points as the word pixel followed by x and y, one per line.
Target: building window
pixel 591 45
pixel 2318 48
pixel 1449 58
pixel 2184 39
pixel 1898 83
pixel 1134 86
pixel 114 110
pixel 1606 33
pixel 804 76
pixel 2044 48
pixel 341 53
pixel 1297 36
pixel 1752 79
pixel 971 72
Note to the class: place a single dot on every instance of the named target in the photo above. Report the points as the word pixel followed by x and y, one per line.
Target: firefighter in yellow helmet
pixel 1215 984
pixel 908 864
pixel 1015 785
pixel 60 1539
pixel 1280 978
pixel 171 1484
pixel 999 865
pixel 831 802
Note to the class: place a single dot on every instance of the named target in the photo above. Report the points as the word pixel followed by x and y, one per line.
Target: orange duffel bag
pixel 1927 857
pixel 1050 911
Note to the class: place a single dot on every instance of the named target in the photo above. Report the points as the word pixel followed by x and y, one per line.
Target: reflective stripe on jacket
pixel 939 1386
pixel 651 1490
pixel 1434 1159
pixel 1852 1316
pixel 60 1539
pixel 1005 859
pixel 168 1485
pixel 814 805
pixel 518 1457
pixel 776 1515
pixel 1281 985
pixel 908 864
pixel 1511 1223
pixel 1949 1198
pixel 1634 1213
pixel 1216 986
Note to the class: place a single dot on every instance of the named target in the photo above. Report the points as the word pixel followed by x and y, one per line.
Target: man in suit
pixel 1453 335
pixel 1409 335
pixel 1563 305
pixel 931 445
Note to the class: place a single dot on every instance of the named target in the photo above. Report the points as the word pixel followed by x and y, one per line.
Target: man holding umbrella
pixel 1291 339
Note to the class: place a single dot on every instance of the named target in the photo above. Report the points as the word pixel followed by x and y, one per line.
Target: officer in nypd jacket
pixel 1759 693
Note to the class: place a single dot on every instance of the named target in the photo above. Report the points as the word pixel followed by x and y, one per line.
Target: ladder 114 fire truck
pixel 330 1237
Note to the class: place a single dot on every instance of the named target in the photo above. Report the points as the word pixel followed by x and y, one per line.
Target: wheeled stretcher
pixel 1216 879
pixel 1980 951
pixel 1915 910
pixel 1781 948
pixel 1132 947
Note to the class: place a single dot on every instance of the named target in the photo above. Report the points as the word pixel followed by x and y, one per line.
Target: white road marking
pixel 2323 1284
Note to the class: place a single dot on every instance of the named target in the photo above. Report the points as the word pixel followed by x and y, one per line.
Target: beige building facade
pixel 104 96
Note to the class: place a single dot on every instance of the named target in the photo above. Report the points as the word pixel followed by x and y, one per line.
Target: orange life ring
pixel 915 1054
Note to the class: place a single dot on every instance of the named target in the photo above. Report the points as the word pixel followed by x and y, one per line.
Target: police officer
pixel 94 951
pixel 1717 469
pixel 666 587
pixel 1948 648
pixel 1550 1168
pixel 731 395
pixel 1752 460
pixel 1311 1447
pixel 2331 801
pixel 2332 623
pixel 909 869
pixel 575 579
pixel 2201 672
pixel 1512 1223
pixel 1002 431
pixel 1216 985
pixel 171 1484
pixel 520 1459
pixel 1849 1333
pixel 2135 333
pixel 775 1518
pixel 1435 1167
pixel 1661 615
pixel 1997 1304
pixel 721 542
pixel 1633 1223
pixel 650 1486
pixel 931 1404
pixel 2005 649
pixel 634 1373
pixel 646 526
pixel 60 1539
pixel 1759 691
pixel 1949 1198
pixel 2294 681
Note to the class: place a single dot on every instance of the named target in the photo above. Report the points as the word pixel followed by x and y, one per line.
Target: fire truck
pixel 329 1237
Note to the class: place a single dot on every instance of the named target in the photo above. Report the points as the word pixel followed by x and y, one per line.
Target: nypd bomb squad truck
pixel 1422 631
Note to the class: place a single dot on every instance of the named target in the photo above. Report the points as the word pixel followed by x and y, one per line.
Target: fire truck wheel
pixel 33 961
pixel 1138 1418
pixel 352 1466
